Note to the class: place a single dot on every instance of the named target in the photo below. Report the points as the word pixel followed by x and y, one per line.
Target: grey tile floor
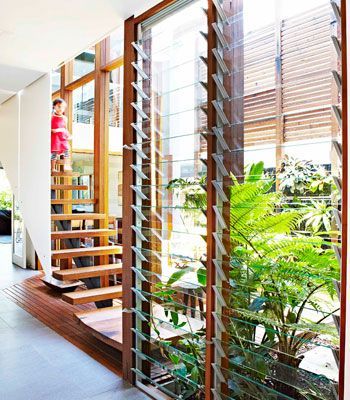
pixel 38 364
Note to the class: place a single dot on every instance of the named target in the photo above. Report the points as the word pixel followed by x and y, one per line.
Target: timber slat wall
pixel 45 305
pixel 305 58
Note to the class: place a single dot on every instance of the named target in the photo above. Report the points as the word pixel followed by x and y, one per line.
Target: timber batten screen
pixel 237 204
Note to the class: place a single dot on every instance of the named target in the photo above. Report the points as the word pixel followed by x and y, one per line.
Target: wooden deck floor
pixel 46 305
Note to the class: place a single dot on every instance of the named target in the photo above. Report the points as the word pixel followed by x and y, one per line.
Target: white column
pixel 34 166
pixel 9 140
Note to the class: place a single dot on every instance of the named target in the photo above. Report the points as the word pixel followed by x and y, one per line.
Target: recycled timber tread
pixel 47 306
pixel 73 201
pixel 88 272
pixel 77 234
pixel 77 216
pixel 106 324
pixel 85 252
pixel 69 187
pixel 65 174
pixel 92 295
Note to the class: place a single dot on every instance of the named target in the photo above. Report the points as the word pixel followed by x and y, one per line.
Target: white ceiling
pixel 37 35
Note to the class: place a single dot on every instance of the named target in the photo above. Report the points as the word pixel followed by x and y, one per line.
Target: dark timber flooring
pixel 45 353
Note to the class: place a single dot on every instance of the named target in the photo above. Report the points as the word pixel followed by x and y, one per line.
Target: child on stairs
pixel 59 135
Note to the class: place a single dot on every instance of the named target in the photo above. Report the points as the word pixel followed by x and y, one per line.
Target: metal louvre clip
pixel 219 270
pixel 219 160
pixel 337 112
pixel 140 91
pixel 139 151
pixel 139 70
pixel 218 347
pixel 220 112
pixel 139 314
pixel 139 131
pixel 218 373
pixel 219 133
pixel 336 11
pixel 220 324
pixel 139 354
pixel 220 191
pixel 336 45
pixel 139 295
pixel 140 111
pixel 139 172
pixel 139 334
pixel 219 296
pixel 336 320
pixel 139 213
pixel 337 217
pixel 140 50
pixel 224 68
pixel 337 253
pixel 139 274
pixel 219 244
pixel 337 183
pixel 220 218
pixel 139 234
pixel 220 36
pixel 220 86
pixel 139 254
pixel 338 148
pixel 336 285
pixel 216 394
pixel 138 192
pixel 336 356
pixel 221 12
pixel 337 79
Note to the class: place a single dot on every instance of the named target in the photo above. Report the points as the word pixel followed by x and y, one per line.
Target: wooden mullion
pixel 113 64
pixel 101 144
pixel 130 29
pixel 67 96
pixel 211 201
pixel 81 81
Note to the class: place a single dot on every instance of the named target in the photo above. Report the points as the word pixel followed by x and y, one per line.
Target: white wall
pixel 9 140
pixel 34 166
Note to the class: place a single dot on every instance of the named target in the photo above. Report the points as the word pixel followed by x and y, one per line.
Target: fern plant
pixel 276 275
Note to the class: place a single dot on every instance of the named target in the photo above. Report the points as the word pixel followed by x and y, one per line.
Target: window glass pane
pixel 56 80
pixel 115 44
pixel 173 231
pixel 83 137
pixel 115 142
pixel 282 205
pixel 84 63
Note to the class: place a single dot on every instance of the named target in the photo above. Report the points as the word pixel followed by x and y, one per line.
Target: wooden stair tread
pixel 92 295
pixel 77 216
pixel 77 234
pixel 88 272
pixel 106 324
pixel 73 201
pixel 69 187
pixel 86 251
pixel 64 174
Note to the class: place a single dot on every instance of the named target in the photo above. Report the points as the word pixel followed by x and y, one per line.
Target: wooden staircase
pixel 75 261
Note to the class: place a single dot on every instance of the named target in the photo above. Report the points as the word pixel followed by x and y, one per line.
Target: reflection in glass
pixel 84 63
pixel 171 239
